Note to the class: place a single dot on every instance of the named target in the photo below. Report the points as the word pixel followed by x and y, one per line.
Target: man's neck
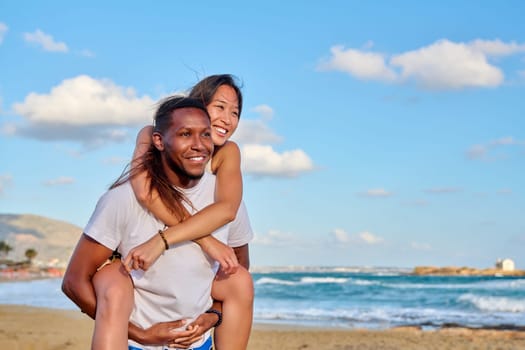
pixel 180 179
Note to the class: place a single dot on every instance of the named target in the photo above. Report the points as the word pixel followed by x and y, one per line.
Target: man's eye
pixel 185 133
pixel 206 134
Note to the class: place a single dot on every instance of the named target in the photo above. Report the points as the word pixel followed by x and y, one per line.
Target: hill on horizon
pixel 54 240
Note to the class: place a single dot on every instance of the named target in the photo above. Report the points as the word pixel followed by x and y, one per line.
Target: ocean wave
pixel 270 280
pixel 378 271
pixel 379 317
pixel 478 285
pixel 303 280
pixel 494 304
pixel 310 280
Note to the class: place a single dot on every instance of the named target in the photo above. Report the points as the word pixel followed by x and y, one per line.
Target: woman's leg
pixel 114 291
pixel 236 294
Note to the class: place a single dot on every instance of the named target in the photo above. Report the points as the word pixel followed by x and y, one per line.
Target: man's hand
pixel 200 326
pixel 167 332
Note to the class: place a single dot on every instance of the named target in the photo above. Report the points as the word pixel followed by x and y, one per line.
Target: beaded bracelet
pixel 218 313
pixel 166 245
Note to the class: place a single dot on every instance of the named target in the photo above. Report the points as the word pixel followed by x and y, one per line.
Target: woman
pixel 223 100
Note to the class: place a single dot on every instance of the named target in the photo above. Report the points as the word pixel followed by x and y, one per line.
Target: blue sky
pixel 380 133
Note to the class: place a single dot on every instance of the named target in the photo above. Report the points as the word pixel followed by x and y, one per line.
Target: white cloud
pixel 361 64
pixel 46 41
pixel 262 160
pixel 442 65
pixel 86 53
pixel 264 110
pixel 376 192
pixel 92 111
pixel 370 238
pixel 8 129
pixel 3 31
pixel 368 45
pixel 448 65
pixel 255 131
pixel 442 190
pixel 258 157
pixel 83 101
pixel 62 180
pixel 497 47
pixel 477 152
pixel 342 237
pixel 485 152
pixel 5 181
pixel 508 140
pixel 275 238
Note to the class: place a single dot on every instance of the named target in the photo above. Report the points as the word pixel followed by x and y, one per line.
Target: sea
pixel 350 297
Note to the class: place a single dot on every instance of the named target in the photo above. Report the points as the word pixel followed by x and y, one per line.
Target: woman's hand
pixel 223 254
pixel 144 255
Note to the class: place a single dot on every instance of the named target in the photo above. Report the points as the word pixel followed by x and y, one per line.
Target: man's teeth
pixel 197 158
pixel 221 130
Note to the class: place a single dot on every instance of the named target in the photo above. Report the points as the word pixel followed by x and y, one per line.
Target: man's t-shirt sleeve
pixel 104 224
pixel 240 231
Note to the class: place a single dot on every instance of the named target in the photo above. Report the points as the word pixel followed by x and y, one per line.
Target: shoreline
pixel 26 327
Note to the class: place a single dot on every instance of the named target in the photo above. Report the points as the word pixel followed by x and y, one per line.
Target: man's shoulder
pixel 119 192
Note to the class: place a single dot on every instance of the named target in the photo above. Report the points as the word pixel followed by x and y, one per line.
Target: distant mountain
pixel 53 240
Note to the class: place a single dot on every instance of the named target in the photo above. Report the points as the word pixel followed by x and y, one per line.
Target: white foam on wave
pixel 494 304
pixel 269 280
pixel 480 285
pixel 310 280
pixel 379 271
pixel 303 280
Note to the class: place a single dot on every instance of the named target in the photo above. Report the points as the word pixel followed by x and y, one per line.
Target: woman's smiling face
pixel 224 114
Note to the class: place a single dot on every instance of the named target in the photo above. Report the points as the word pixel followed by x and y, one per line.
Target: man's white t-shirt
pixel 178 285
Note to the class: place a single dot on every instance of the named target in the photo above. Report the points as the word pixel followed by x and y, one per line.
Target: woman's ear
pixel 156 138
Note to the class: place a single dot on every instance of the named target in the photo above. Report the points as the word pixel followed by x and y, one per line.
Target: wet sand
pixel 30 328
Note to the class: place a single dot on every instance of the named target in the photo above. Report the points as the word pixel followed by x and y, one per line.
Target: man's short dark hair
pixel 166 107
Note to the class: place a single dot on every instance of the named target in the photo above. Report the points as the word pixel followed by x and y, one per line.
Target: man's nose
pixel 197 142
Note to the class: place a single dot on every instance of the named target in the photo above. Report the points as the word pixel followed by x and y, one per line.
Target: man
pixel 177 286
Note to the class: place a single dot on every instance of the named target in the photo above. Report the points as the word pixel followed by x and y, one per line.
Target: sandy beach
pixel 28 328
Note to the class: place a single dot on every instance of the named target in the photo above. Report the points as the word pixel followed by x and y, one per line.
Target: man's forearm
pixel 82 294
pixel 136 333
pixel 243 256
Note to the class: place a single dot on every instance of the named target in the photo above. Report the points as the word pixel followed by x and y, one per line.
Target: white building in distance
pixel 505 264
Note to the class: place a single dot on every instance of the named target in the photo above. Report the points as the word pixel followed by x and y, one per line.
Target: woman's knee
pixel 238 286
pixel 113 287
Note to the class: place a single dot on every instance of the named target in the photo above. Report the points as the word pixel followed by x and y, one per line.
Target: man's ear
pixel 156 138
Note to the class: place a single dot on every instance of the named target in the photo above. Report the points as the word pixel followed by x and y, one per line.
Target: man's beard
pixel 180 171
